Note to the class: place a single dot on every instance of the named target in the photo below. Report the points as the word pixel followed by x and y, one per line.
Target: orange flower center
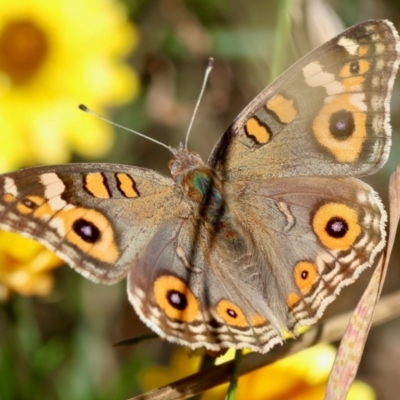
pixel 23 48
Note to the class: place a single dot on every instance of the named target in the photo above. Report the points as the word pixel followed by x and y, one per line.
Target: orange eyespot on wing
pixel 305 276
pixel 336 226
pixel 175 298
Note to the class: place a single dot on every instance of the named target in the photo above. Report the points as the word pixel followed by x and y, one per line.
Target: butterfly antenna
pixel 207 73
pixel 89 111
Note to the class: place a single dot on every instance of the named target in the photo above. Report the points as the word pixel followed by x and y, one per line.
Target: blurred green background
pixel 141 63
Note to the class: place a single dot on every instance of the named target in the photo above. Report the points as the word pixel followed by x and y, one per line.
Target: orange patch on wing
pixel 336 210
pixel 257 131
pixel 94 184
pixel 292 299
pixel 305 275
pixel 9 198
pixel 231 313
pixel 349 149
pixel 282 107
pixel 354 83
pixel 44 211
pixel 257 319
pixel 363 50
pixel 127 185
pixel 165 286
pixel 363 66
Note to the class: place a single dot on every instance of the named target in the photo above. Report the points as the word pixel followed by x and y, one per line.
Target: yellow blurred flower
pixel 55 54
pixel 302 376
pixel 25 266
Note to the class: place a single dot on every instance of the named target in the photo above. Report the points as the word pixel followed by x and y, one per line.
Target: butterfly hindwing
pixel 292 251
pixel 311 237
pixel 201 293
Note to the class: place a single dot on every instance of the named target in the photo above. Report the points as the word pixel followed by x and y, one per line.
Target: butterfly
pixel 258 240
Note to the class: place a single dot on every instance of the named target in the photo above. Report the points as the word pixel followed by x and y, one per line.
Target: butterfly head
pixel 183 161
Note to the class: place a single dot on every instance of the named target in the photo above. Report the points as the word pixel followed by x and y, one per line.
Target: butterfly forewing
pixel 94 216
pixel 326 115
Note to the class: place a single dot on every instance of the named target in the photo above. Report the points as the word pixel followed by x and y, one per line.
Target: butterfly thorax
pixel 200 184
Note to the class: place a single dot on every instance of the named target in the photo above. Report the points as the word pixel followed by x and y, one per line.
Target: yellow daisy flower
pixel 302 376
pixel 55 54
pixel 25 266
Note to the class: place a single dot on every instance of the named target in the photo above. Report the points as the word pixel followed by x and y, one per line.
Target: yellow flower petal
pixel 77 57
pixel 302 376
pixel 25 265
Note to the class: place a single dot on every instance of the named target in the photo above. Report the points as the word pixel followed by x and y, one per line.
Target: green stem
pixel 281 40
pixel 233 384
